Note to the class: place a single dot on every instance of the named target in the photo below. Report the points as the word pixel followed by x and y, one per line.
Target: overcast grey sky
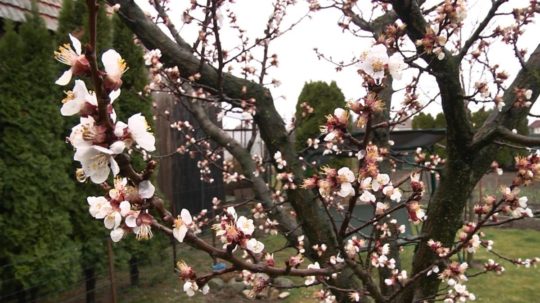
pixel 298 62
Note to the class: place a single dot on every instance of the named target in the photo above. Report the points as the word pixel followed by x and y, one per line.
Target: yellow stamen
pixel 122 65
pixel 377 66
pixel 69 96
pixel 65 54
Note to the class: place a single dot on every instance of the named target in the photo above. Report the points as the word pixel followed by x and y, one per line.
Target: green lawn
pixel 516 285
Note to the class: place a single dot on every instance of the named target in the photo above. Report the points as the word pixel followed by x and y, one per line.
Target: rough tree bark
pixel 469 155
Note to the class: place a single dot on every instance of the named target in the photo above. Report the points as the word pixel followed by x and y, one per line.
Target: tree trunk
pixel 90 277
pixel 133 271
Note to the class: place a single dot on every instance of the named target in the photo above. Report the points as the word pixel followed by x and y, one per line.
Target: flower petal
pixel 76 44
pixel 180 232
pixel 146 189
pixel 117 234
pixel 118 147
pixel 186 217
pixel 114 166
pixel 65 78
pixel 114 95
pixel 131 220
pixel 111 60
pixel 119 128
pixel 125 207
pixel 70 108
pixel 100 175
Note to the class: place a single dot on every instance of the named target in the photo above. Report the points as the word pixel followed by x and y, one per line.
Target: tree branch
pixel 509 135
pixel 474 37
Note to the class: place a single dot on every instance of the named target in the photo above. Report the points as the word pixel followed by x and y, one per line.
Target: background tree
pixel 37 252
pixel 427 121
pixel 323 98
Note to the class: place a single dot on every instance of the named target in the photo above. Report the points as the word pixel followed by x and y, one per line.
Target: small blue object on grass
pixel 218 267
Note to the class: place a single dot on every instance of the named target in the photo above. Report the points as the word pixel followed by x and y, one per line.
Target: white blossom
pixel 117 234
pixel 254 246
pixel 146 189
pixel 73 57
pixel 375 61
pixel 99 207
pixel 345 177
pixel 97 161
pixel 312 279
pixel 245 225
pixel 115 67
pixel 181 225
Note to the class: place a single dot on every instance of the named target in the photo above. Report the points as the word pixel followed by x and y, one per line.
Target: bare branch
pixel 474 37
pixel 509 135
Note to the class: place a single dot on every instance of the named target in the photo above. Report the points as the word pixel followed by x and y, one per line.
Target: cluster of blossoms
pixel 380 258
pixel 366 107
pixel 396 277
pixel 438 248
pixel 491 265
pixel 95 145
pixel 432 43
pixel 528 169
pixel 354 246
pixel 514 205
pixel 336 125
pixel 117 212
pixel 236 231
pixel 432 162
pixel 451 12
pixel 334 182
pixel 257 282
pixel 415 210
pixel 523 98
pixel 381 182
pixel 97 140
pixel 325 296
pixel 287 180
pixel 454 276
pixel 527 262
pixel 229 174
pixel 387 229
pixel 281 163
pixel 471 243
pixel 392 35
pixel 188 275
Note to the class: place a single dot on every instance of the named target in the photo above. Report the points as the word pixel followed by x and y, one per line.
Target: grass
pixel 516 285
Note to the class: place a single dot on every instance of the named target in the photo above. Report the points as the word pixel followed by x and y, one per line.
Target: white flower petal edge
pixel 146 189
pixel 112 63
pixel 117 234
pixel 139 131
pixel 254 246
pixel 76 44
pixel 181 225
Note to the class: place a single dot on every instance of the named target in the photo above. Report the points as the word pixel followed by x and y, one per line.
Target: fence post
pixel 111 270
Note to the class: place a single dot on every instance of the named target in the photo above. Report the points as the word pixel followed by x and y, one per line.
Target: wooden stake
pixel 111 270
